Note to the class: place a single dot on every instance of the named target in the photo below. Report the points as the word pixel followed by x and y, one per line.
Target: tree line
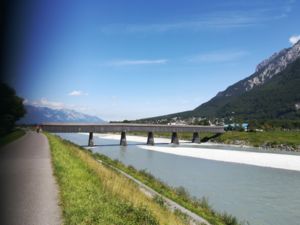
pixel 11 110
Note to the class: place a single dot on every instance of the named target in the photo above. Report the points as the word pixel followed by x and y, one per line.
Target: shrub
pixel 159 200
pixel 182 192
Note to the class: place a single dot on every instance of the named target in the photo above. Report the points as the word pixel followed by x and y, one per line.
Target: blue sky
pixel 133 59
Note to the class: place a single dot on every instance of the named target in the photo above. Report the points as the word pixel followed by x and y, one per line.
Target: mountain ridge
pixel 40 114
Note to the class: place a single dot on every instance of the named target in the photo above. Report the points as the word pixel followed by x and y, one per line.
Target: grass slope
pixel 179 195
pixel 274 138
pixel 11 137
pixel 91 193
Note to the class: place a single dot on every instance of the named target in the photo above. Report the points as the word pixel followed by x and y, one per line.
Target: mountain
pixel 278 98
pixel 37 114
pixel 272 92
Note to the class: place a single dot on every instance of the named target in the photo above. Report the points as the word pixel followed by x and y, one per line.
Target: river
pixel 259 195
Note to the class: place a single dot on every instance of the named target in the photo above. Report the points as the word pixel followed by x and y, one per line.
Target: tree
pixel 253 125
pixel 12 108
pixel 204 122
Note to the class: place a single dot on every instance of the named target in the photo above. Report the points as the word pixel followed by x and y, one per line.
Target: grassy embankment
pixel 179 195
pixel 92 193
pixel 274 139
pixel 14 135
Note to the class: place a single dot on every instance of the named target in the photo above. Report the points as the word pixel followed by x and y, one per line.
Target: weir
pixel 123 128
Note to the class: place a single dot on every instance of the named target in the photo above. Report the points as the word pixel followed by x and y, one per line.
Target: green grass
pixel 179 195
pixel 14 135
pixel 92 193
pixel 274 138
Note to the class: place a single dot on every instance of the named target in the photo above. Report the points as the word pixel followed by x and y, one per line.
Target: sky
pixel 135 59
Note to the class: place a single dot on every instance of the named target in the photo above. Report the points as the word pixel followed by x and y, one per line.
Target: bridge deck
pixel 121 127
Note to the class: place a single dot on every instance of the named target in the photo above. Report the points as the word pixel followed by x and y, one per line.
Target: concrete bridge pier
pixel 174 139
pixel 123 141
pixel 196 137
pixel 91 139
pixel 150 139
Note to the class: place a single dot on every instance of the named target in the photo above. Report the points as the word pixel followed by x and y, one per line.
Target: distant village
pixel 229 125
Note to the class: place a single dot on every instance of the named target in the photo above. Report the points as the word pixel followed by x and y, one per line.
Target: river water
pixel 259 195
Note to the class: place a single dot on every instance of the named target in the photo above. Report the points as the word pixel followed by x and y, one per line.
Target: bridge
pixel 128 127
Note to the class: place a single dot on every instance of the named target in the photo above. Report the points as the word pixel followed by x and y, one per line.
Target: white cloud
pixel 77 93
pixel 218 21
pixel 209 22
pixel 218 57
pixel 137 62
pixel 254 15
pixel 294 39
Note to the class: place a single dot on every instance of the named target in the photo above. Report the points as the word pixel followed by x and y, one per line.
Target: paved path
pixel 28 191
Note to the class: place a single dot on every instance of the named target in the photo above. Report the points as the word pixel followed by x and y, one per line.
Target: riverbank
pixel 242 190
pixel 92 193
pixel 283 140
pixel 179 195
pixel 162 200
pixel 14 135
pixel 108 181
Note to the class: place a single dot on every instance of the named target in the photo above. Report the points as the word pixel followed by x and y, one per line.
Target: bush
pixel 138 215
pixel 159 200
pixel 182 192
pixel 229 219
pixel 147 174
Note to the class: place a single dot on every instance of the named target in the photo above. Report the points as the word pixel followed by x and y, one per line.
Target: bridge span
pixel 129 127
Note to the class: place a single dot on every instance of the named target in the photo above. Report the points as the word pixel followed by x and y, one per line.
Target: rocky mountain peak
pixel 272 66
pixel 265 70
pixel 265 62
